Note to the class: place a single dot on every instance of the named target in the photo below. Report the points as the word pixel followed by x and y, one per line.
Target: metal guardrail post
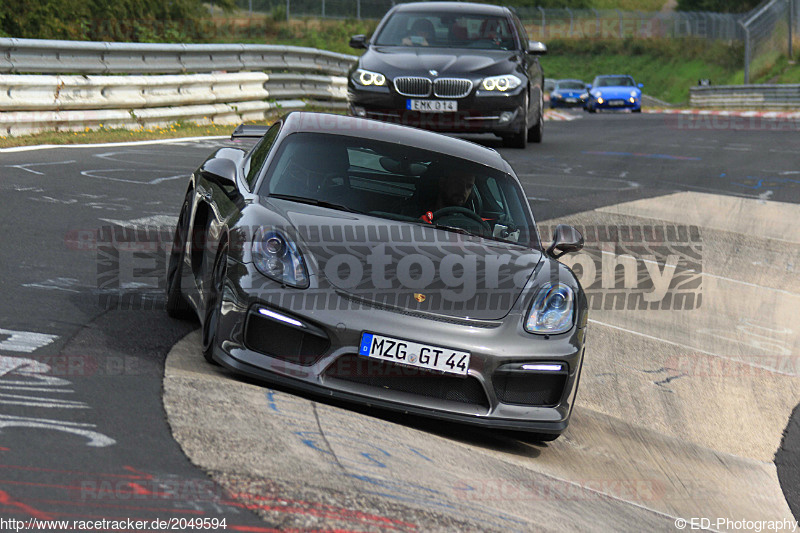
pixel 544 22
pixel 746 53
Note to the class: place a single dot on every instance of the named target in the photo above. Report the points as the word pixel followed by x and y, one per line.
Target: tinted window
pixel 397 182
pixel 614 81
pixel 447 30
pixel 568 85
pixel 258 155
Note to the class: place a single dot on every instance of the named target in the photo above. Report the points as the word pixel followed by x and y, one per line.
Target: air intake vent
pixel 384 375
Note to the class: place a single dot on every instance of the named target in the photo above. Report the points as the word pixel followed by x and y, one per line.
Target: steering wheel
pixel 455 210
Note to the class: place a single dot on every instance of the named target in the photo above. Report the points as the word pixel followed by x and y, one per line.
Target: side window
pixel 259 154
pixel 523 35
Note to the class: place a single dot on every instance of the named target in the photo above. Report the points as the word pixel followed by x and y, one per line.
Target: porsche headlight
pixel 501 83
pixel 552 310
pixel 367 78
pixel 277 257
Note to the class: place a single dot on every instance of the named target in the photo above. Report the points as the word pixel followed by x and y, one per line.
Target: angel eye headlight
pixel 552 310
pixel 277 256
pixel 366 78
pixel 501 83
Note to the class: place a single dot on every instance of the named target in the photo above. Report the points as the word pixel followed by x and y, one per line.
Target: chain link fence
pixel 768 32
pixel 542 23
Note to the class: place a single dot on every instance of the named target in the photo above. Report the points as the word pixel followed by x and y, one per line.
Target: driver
pixel 453 189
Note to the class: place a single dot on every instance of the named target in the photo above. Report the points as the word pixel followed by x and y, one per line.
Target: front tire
pixel 520 138
pixel 536 133
pixel 177 306
pixel 214 303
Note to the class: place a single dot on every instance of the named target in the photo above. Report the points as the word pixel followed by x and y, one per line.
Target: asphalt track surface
pixel 84 434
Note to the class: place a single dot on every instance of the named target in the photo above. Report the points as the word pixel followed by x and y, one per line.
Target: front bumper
pixel 478 112
pixel 615 104
pixel 568 101
pixel 331 367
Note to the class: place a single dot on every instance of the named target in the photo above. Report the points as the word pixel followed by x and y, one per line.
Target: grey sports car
pixel 385 265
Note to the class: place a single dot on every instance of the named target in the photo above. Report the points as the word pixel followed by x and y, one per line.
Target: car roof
pixel 613 76
pixel 566 80
pixel 303 121
pixel 454 7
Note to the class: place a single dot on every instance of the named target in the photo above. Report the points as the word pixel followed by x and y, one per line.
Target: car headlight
pixel 597 94
pixel 277 257
pixel 552 310
pixel 634 94
pixel 584 96
pixel 366 78
pixel 501 83
pixel 555 94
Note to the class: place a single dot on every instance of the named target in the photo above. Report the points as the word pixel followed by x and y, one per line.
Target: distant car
pixel 614 92
pixel 451 67
pixel 567 93
pixel 382 265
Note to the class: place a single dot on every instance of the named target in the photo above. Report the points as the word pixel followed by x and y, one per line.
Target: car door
pixel 533 70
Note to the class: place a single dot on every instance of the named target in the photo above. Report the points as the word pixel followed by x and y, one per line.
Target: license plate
pixel 572 100
pixel 432 106
pixel 414 354
pixel 616 102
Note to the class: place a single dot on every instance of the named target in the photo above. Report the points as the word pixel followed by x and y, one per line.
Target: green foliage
pixel 106 20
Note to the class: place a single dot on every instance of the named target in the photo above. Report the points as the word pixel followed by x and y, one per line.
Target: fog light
pixel 505 116
pixel 359 111
pixel 599 100
pixel 633 100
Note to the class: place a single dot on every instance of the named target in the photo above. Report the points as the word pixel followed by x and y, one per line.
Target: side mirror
pixel 536 48
pixel 566 239
pixel 588 87
pixel 358 41
pixel 641 85
pixel 221 171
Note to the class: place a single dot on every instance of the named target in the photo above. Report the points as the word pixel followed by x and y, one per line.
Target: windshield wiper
pixel 314 201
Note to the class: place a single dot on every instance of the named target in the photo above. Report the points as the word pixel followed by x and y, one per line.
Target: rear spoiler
pixel 248 131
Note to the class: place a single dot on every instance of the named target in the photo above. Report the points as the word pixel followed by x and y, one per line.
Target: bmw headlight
pixel 367 78
pixel 501 83
pixel 552 310
pixel 276 256
pixel 555 94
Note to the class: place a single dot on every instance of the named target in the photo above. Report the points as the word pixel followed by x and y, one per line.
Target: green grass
pixel 667 68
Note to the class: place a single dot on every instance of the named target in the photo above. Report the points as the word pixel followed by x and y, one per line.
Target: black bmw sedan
pixel 451 67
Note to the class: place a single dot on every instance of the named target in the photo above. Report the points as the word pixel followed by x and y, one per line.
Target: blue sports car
pixel 613 92
pixel 567 93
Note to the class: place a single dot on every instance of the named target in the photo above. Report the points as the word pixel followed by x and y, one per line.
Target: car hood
pixel 409 267
pixel 394 61
pixel 616 92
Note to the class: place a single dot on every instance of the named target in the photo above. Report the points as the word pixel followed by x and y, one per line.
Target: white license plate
pixel 432 106
pixel 616 102
pixel 572 100
pixel 414 354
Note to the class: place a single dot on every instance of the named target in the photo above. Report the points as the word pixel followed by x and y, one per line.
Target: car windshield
pixel 568 85
pixel 400 183
pixel 614 81
pixel 447 30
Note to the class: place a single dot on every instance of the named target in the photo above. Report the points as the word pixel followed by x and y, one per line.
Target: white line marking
pixel 105 145
pixel 97 440
pixel 26 169
pixel 24 341
pixel 155 221
pixel 156 181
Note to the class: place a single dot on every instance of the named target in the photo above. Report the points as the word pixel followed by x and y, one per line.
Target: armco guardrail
pixel 227 84
pixel 746 96
pixel 19 56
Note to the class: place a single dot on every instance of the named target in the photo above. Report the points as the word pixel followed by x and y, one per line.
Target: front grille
pixel 383 375
pixel 452 87
pixel 410 86
pixel 526 388
pixel 275 339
